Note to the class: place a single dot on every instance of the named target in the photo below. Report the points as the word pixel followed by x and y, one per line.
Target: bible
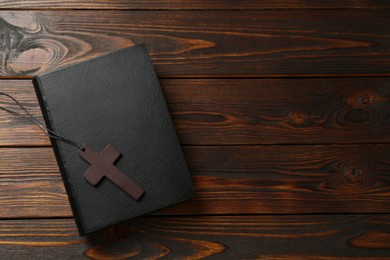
pixel 129 161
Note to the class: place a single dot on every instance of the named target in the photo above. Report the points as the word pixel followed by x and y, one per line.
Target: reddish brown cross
pixel 102 164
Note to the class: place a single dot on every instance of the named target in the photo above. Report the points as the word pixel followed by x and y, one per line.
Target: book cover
pixel 113 101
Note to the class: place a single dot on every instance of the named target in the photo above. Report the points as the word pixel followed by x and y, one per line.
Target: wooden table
pixel 282 108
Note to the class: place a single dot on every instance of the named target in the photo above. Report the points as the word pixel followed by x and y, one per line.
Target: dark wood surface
pixel 228 180
pixel 191 4
pixel 198 44
pixel 282 109
pixel 224 237
pixel 250 111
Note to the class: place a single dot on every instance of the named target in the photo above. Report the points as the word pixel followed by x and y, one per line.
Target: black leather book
pixel 115 107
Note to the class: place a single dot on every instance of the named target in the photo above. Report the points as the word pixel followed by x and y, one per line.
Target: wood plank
pixel 188 4
pixel 248 111
pixel 267 43
pixel 16 130
pixel 280 111
pixel 227 179
pixel 221 237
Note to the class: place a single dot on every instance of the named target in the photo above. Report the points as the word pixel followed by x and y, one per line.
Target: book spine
pixel 62 166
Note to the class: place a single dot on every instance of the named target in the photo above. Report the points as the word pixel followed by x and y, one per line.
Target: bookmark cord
pixel 37 122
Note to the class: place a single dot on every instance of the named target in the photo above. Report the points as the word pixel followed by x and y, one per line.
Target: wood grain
pixel 203 44
pixel 245 81
pixel 188 4
pixel 248 111
pixel 219 237
pixel 15 128
pixel 280 111
pixel 228 180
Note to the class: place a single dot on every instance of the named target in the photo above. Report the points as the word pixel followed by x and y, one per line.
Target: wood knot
pixel 298 118
pixel 362 99
pixel 356 178
pixel 352 178
pixel 302 119
pixel 28 60
pixel 353 174
pixel 356 172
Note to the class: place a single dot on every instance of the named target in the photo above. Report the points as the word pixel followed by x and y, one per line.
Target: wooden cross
pixel 102 164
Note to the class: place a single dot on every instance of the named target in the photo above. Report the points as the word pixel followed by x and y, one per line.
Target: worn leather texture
pixel 114 99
